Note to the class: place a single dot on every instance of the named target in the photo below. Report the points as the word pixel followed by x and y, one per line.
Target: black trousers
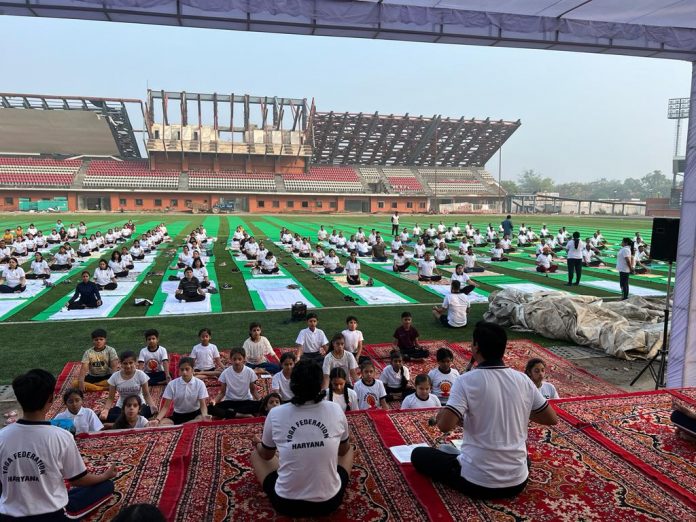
pixel 623 283
pixel 444 467
pixel 574 266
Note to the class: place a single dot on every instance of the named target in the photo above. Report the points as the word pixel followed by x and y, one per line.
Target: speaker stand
pixel 661 356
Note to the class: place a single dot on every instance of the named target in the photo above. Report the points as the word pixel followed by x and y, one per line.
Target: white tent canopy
pixel 642 28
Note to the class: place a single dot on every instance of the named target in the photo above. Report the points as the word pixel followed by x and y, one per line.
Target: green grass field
pixel 28 342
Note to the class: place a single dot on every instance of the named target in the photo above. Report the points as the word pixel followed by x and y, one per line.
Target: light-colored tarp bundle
pixel 624 329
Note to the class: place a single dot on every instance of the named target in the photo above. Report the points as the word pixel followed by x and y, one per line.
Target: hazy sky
pixel 583 116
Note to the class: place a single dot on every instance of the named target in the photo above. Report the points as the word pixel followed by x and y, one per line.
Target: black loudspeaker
pixel 665 237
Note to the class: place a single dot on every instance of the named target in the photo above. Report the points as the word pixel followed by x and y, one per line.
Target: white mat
pixel 169 287
pixel 34 287
pixel 173 307
pixel 108 304
pixel 268 284
pixel 8 305
pixel 613 286
pixel 440 289
pixel 281 299
pixel 123 288
pixel 378 295
pixel 530 288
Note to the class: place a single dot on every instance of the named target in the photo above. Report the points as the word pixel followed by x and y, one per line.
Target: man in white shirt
pixel 495 404
pixel 395 223
pixel 454 309
pixel 38 458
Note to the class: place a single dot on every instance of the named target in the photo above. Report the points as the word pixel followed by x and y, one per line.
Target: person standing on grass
pixel 507 226
pixel 304 458
pixel 495 404
pixel 624 265
pixel 395 223
pixel 574 258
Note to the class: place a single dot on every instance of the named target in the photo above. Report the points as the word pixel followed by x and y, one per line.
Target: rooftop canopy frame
pixel 641 28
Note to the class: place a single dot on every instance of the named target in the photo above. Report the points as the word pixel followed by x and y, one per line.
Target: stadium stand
pixel 370 174
pixel 38 172
pixel 458 181
pixel 403 180
pixel 324 179
pixel 232 180
pixel 129 174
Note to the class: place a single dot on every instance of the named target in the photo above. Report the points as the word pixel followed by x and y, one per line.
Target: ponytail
pixel 346 397
pixel 576 239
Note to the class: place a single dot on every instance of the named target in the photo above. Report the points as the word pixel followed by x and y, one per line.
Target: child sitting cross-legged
pixel 153 359
pixel 206 356
pixel 241 397
pixel 259 350
pixel 443 377
pixel 39 459
pixel 84 419
pixel 371 392
pixel 189 395
pixel 422 398
pixel 129 381
pixel 339 357
pixel 281 380
pixel 395 377
pixel 129 417
pixel 98 363
pixel 339 391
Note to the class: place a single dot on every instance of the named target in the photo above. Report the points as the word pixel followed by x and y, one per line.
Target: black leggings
pixel 574 265
pixel 61 267
pixel 77 305
pixel 191 298
pixel 623 283
pixel 429 278
pixel 4 289
pixel 108 286
pixel 123 273
pixel 37 276
pixel 271 271
pixel 222 409
pixel 444 467
pixel 353 280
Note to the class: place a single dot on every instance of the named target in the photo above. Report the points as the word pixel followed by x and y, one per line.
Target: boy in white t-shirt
pixel 84 419
pixel 311 342
pixel 239 391
pixel 206 356
pixel 444 375
pixel 153 359
pixel 353 338
pixel 38 458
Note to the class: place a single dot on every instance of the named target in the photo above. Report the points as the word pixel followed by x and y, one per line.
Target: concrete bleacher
pixel 324 179
pixel 464 181
pixel 403 180
pixel 129 174
pixel 232 180
pixel 37 172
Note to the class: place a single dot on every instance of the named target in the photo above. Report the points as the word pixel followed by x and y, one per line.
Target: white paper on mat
pixel 530 288
pixel 403 453
pixel 281 299
pixel 378 295
pixel 173 307
pixel 108 304
pixel 269 284
pixel 7 305
pixel 613 286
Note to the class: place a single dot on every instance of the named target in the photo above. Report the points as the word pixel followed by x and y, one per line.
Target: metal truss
pixel 114 111
pixel 374 139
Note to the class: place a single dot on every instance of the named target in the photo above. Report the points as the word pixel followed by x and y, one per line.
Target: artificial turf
pixel 50 345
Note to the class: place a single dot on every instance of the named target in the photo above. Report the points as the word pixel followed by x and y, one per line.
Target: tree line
pixel 653 185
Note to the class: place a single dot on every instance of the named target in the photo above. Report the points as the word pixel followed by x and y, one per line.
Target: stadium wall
pixel 9 199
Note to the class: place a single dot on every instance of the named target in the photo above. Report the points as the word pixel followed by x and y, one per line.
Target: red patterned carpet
pixel 613 456
pixel 573 477
pixel 637 428
pixel 220 483
pixel 146 462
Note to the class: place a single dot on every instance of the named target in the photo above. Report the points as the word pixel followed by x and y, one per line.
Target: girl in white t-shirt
pixel 104 276
pixel 269 264
pixel 128 381
pixel 84 419
pixel 13 280
pixel 130 417
pixel 238 396
pixel 281 381
pixel 536 371
pixel 370 391
pixel 39 268
pixel 332 264
pixel 259 350
pixel 422 398
pixel 339 392
pixel 117 265
pixel 61 260
pixel 352 269
pixel 395 377
pixel 206 356
pixel 200 272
